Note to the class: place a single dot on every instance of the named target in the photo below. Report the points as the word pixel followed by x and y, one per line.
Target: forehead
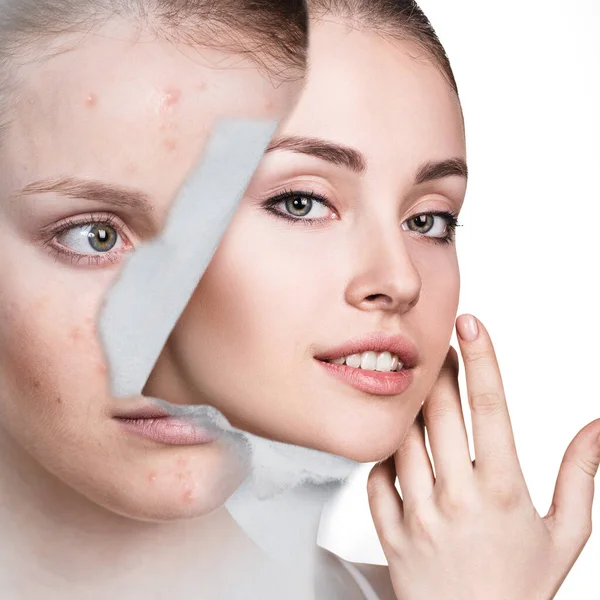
pixel 132 111
pixel 383 97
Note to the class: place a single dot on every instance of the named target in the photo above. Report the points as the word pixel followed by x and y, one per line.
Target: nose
pixel 385 277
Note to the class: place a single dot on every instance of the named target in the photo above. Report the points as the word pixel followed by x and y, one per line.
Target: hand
pixel 472 532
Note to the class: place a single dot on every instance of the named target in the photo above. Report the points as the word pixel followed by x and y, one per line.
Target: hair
pixel 396 19
pixel 273 33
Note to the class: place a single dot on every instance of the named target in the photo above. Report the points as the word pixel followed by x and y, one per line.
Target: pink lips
pixel 155 424
pixel 379 383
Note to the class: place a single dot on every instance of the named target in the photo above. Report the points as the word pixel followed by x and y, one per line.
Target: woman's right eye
pixel 300 206
pixel 92 238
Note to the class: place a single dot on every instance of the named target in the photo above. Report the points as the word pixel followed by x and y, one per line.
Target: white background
pixel 528 75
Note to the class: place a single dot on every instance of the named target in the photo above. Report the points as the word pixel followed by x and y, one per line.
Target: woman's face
pixel 100 131
pixel 330 245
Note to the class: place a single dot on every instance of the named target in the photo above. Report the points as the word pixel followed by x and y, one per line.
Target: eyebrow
pixel 92 190
pixel 336 154
pixel 352 159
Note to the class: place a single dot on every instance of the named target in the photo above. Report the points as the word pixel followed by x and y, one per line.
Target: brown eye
pixel 421 223
pixel 439 225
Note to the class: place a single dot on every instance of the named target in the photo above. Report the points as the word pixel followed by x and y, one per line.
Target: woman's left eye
pixel 435 225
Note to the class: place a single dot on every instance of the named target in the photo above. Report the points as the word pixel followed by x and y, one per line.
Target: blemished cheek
pixel 45 354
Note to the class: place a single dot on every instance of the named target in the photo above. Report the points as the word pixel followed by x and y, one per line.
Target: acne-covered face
pixel 102 139
pixel 345 234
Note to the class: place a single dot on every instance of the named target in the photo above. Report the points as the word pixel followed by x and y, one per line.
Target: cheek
pixel 436 311
pixel 49 353
pixel 252 301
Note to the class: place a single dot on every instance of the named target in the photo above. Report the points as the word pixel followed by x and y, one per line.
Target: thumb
pixel 570 515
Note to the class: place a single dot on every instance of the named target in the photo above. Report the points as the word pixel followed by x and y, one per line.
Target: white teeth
pixel 354 360
pixel 371 361
pixel 384 362
pixel 368 361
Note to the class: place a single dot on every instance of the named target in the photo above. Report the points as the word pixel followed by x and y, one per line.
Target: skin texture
pixel 83 114
pixel 277 292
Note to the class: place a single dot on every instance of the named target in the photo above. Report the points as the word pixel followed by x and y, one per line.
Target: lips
pixel 157 424
pixel 144 412
pixel 377 342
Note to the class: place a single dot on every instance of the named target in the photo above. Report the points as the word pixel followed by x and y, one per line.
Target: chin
pixel 162 505
pixel 365 453
pixel 370 440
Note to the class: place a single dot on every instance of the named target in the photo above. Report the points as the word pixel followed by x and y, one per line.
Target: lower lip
pixel 168 430
pixel 378 383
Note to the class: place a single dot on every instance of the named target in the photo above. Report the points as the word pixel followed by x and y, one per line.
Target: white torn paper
pixel 146 302
pixel 159 278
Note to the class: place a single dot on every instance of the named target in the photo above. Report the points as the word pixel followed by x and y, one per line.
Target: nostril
pixel 375 297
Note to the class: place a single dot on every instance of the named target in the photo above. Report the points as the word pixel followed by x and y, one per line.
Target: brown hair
pixel 399 19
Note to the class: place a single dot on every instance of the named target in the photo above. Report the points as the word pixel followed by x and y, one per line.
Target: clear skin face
pixel 278 292
pixel 127 113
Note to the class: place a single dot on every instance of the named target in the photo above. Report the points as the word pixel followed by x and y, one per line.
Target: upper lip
pixel 145 412
pixel 399 345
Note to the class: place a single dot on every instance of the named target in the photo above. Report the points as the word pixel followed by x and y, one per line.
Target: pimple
pixel 131 169
pixel 152 476
pixel 171 97
pixel 75 334
pixel 102 368
pixel 188 496
pixel 201 86
pixel 91 100
pixel 170 144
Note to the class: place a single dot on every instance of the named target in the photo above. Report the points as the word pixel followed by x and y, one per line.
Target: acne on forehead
pixel 91 100
pixel 169 100
pixel 170 97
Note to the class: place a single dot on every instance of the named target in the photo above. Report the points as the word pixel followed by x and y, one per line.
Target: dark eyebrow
pixel 438 170
pixel 95 191
pixel 336 154
pixel 345 156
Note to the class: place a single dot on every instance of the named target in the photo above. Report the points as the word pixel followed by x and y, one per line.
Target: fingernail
pixel 466 327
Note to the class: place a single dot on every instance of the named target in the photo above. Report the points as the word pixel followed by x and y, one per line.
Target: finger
pixel 445 426
pixel 384 501
pixel 413 467
pixel 570 515
pixel 493 438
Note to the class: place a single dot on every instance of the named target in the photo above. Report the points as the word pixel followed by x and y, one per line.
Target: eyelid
pixel 91 219
pixel 271 203
pixel 52 232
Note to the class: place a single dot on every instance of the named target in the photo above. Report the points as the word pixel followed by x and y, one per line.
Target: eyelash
pixel 271 203
pixel 75 258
